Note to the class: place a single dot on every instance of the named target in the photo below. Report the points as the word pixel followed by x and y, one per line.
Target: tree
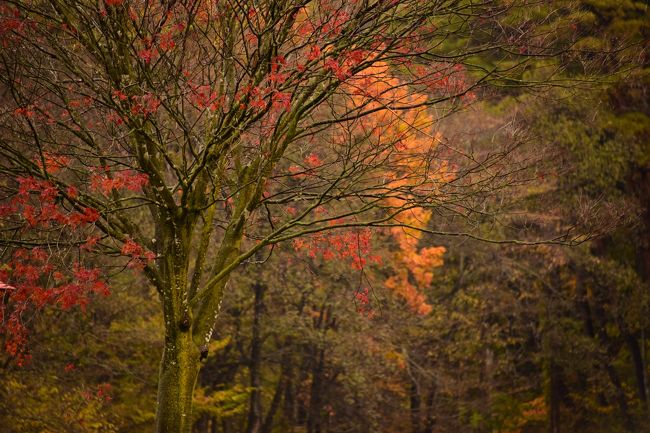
pixel 185 138
pixel 91 371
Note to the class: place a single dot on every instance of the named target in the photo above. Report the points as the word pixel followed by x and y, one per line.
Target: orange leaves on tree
pixel 340 70
pixel 144 105
pixel 138 254
pixel 36 203
pixel 147 54
pixel 312 161
pixel 281 101
pixel 351 246
pixel 534 412
pixel 203 97
pixel 11 24
pixel 252 95
pixel 166 41
pixel 138 105
pixel 32 279
pixel 87 216
pixel 335 21
pixel 314 53
pixel 27 112
pixel 30 282
pixel 408 140
pixel 276 77
pixel 128 180
pixel 53 162
pixel 414 268
pixel 363 303
pixel 104 392
pixel 15 339
pixel 118 95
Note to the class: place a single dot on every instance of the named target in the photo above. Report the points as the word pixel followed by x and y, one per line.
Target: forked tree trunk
pixel 179 371
pixel 189 315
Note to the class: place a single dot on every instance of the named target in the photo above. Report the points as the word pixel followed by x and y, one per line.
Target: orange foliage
pixel 533 411
pixel 409 139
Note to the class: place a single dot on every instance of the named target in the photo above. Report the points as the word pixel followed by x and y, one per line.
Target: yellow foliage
pixel 224 403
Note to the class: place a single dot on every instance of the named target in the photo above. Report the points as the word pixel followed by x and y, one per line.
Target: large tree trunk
pixel 179 371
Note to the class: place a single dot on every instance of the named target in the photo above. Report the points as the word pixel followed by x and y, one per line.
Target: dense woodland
pixel 498 281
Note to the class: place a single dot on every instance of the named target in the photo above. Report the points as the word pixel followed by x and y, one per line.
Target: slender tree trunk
pixel 275 405
pixel 430 420
pixel 642 182
pixel 281 388
pixel 621 398
pixel 639 369
pixel 179 371
pixel 415 405
pixel 301 406
pixel 289 398
pixel 255 409
pixel 553 369
pixel 554 394
pixel 316 395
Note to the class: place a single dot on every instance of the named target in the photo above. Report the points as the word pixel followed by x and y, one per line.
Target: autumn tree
pixel 184 138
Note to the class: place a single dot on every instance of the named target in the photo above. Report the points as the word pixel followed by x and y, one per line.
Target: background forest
pixel 396 330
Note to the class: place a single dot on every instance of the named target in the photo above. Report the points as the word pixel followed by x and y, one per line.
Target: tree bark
pixel 179 371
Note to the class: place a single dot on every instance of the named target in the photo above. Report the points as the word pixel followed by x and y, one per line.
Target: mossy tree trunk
pixel 179 370
pixel 189 312
pixel 180 364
